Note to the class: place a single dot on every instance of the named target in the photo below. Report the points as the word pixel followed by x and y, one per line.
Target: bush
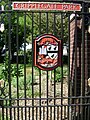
pixel 6 70
pixel 59 73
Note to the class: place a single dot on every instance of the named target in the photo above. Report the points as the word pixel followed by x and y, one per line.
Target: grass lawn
pixel 25 82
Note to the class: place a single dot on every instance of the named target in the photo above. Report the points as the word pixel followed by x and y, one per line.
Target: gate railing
pixel 28 93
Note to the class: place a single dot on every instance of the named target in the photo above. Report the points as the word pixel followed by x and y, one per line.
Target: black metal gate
pixel 28 93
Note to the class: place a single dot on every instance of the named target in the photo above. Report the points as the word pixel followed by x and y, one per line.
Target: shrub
pixel 59 73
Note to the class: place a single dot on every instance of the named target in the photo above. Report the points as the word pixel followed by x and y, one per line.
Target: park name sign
pixel 46 6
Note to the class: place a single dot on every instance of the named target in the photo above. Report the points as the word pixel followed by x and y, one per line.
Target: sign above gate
pixel 46 6
pixel 47 52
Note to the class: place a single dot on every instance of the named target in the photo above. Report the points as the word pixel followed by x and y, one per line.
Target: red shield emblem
pixel 47 52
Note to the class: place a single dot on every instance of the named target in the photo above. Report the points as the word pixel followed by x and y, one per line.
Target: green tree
pixel 19 25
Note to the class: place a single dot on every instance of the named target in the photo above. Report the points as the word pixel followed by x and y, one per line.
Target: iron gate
pixel 28 93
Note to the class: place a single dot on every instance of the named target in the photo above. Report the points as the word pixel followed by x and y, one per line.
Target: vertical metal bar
pixel 87 115
pixel 82 63
pixel 75 84
pixel 9 63
pixel 6 111
pixel 47 71
pixel 62 64
pixel 47 94
pixel 29 113
pixel 69 66
pixel 51 113
pixel 40 93
pixel 88 111
pixel 86 62
pixel 78 118
pixel 39 69
pixel 32 68
pixel 78 115
pixel 17 63
pixel 37 113
pixel 54 92
pixel 75 54
pixel 25 55
pixel 17 54
pixel 58 113
pixel 54 30
pixel 43 113
pixel 25 61
pixel 83 56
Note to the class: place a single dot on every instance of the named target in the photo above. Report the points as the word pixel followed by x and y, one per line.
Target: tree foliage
pixel 21 27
